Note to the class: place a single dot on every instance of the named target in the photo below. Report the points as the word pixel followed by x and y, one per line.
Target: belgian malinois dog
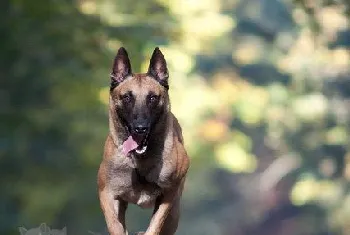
pixel 144 161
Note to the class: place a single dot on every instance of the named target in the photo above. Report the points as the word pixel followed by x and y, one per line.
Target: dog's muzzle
pixel 141 138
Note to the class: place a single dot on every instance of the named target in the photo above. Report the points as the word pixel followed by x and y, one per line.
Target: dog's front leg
pixel 169 203
pixel 114 212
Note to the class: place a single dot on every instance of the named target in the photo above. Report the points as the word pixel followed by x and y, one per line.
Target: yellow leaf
pixel 214 130
pixel 103 95
pixel 304 191
pixel 233 157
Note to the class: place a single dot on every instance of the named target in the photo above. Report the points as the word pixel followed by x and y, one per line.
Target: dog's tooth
pixel 143 150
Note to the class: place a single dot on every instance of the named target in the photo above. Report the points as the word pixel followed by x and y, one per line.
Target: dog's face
pixel 139 100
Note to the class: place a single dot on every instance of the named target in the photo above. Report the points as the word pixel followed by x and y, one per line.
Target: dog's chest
pixel 127 184
pixel 143 192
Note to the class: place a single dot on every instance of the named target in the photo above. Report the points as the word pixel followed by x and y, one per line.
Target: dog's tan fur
pixel 154 180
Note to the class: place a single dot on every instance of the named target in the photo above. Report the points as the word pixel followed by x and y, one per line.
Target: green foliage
pixel 261 89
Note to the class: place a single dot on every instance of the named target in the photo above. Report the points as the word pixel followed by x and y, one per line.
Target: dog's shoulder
pixel 179 152
pixel 108 153
pixel 109 148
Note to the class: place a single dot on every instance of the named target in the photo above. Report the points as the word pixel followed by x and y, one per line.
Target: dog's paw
pixel 140 233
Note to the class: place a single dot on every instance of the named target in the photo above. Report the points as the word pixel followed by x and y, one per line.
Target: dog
pixel 145 161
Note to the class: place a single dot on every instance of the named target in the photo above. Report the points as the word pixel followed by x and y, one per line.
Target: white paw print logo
pixel 43 229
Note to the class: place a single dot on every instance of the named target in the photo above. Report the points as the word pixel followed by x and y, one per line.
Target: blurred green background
pixel 261 89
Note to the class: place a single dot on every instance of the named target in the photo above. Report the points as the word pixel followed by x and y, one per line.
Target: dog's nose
pixel 141 129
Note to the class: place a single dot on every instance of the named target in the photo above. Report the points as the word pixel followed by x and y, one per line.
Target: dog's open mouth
pixel 141 141
pixel 137 143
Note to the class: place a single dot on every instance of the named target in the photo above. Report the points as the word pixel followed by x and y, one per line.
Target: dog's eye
pixel 126 98
pixel 153 99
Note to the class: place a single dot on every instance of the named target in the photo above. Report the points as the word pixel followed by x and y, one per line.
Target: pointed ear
pixel 121 67
pixel 158 68
pixel 22 230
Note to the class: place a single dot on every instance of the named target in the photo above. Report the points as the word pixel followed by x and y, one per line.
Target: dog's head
pixel 139 100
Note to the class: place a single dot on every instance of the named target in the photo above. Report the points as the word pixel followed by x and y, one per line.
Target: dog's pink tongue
pixel 129 145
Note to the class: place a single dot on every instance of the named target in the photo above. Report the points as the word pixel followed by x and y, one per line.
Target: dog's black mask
pixel 140 99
